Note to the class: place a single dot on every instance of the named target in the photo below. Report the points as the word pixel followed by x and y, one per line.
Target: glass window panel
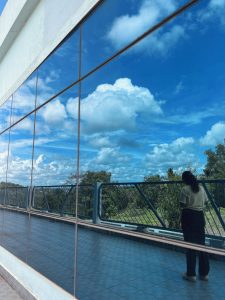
pixel 116 23
pixel 24 98
pixel 4 140
pixel 51 251
pixel 157 107
pixel 56 140
pixel 60 69
pixel 20 153
pixel 5 112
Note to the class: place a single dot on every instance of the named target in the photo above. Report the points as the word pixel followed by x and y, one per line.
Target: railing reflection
pixel 141 204
pixel 156 204
pixel 14 196
pixel 61 200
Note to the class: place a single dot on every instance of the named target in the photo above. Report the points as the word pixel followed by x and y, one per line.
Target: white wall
pixel 29 31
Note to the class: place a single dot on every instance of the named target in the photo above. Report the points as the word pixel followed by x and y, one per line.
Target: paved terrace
pixel 109 266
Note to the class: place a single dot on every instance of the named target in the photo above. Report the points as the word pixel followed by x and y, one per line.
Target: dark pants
pixel 193 226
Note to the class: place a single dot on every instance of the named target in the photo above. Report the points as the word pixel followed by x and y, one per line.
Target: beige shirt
pixel 195 201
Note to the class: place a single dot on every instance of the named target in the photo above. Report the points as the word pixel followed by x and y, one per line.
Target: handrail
pixel 120 202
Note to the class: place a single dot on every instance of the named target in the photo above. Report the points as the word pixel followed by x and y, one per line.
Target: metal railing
pixel 14 196
pixel 61 200
pixel 156 204
pixel 143 204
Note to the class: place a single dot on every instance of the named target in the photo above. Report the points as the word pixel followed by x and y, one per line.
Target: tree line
pixel 125 202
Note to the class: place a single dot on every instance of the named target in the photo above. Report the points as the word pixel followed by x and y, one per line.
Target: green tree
pixel 165 197
pixel 91 177
pixel 168 200
pixel 152 190
pixel 215 167
pixel 86 191
pixel 171 175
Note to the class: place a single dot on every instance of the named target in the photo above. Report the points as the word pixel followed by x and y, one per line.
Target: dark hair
pixel 191 180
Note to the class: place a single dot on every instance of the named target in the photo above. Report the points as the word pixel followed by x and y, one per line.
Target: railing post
pixel 29 198
pixel 96 202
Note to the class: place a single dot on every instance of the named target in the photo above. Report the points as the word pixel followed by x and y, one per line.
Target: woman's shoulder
pixel 186 188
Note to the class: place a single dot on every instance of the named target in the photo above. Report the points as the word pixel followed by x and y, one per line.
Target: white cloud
pixel 3 156
pixel 100 141
pixel 27 124
pixel 53 76
pixel 195 117
pixel 108 156
pixel 71 107
pixel 24 97
pixel 178 153
pixel 215 135
pixel 46 171
pixel 49 171
pixel 128 27
pixel 39 160
pixel 179 87
pixel 113 107
pixel 214 11
pixel 54 113
pixel 160 43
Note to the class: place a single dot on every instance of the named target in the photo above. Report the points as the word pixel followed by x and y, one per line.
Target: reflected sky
pixel 2 5
pixel 160 105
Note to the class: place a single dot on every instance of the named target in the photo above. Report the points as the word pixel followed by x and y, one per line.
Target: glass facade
pixel 93 112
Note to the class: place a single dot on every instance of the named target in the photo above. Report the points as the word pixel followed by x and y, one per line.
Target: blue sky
pixel 2 5
pixel 159 105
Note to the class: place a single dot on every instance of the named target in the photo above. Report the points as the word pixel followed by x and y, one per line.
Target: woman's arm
pixel 183 199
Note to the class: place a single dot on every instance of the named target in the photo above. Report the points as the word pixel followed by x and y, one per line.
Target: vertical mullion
pixel 9 140
pixel 78 160
pixel 33 144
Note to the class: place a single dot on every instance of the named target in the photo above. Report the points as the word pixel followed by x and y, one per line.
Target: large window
pixel 147 114
pixel 55 146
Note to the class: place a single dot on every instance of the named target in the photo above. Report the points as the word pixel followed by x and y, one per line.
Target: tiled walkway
pixel 7 292
pixel 110 267
pixel 114 268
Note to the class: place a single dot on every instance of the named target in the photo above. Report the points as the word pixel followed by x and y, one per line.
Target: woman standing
pixel 192 201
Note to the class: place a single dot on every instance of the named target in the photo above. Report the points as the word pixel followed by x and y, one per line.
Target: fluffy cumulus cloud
pixel 99 141
pixel 113 107
pixel 128 27
pixel 214 11
pixel 27 124
pixel 215 135
pixel 52 171
pixel 72 108
pixel 160 43
pixel 46 171
pixel 24 97
pixel 3 160
pixel 112 159
pixel 112 155
pixel 178 153
pixel 54 113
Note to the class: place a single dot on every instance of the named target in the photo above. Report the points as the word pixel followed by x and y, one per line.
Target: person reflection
pixel 193 199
